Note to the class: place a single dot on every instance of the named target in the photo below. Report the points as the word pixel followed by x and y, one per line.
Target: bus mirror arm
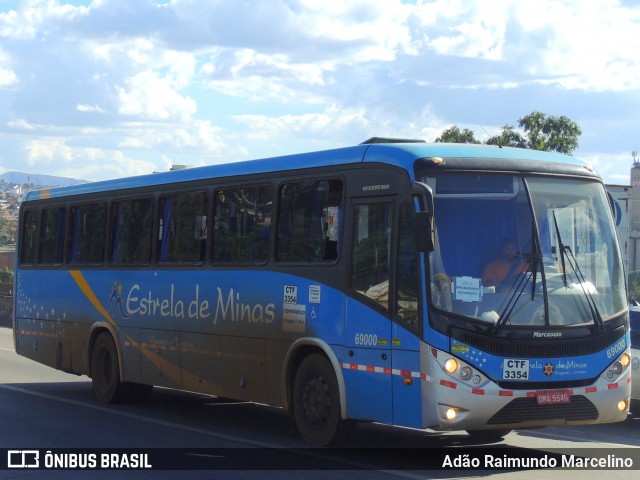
pixel 612 205
pixel 424 227
pixel 424 232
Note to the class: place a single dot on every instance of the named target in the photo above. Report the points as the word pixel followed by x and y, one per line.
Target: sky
pixel 105 89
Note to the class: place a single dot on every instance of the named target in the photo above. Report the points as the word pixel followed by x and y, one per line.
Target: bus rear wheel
pixel 105 375
pixel 316 402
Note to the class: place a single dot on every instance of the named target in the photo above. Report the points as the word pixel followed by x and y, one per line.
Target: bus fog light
pixel 451 365
pixel 622 405
pixel 476 380
pixel 452 413
pixel 465 373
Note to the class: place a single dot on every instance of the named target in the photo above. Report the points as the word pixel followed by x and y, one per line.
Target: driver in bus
pixel 509 264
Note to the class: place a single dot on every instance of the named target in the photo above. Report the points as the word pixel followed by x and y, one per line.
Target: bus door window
pixel 407 272
pixel 309 221
pixel 242 224
pixel 182 229
pixel 131 227
pixel 88 226
pixel 28 240
pixel 371 247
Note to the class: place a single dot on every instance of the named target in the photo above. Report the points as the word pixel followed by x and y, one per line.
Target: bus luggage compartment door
pixel 244 372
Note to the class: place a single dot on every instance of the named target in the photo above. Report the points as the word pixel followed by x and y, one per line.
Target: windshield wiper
pixel 565 250
pixel 597 318
pixel 534 259
pixel 561 248
pixel 517 288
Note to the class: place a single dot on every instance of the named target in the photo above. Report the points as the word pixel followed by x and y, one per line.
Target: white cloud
pixel 7 77
pixel 55 156
pixel 199 81
pixel 333 121
pixel 198 135
pixel 90 109
pixel 20 124
pixel 591 45
pixel 146 95
pixel 467 29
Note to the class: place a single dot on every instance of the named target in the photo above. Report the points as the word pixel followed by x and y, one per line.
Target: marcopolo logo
pixel 539 334
pixel 23 459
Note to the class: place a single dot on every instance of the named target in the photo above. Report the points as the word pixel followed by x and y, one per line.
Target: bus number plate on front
pixel 515 369
pixel 553 397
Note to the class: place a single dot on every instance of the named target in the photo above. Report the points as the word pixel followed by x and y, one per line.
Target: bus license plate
pixel 515 369
pixel 553 397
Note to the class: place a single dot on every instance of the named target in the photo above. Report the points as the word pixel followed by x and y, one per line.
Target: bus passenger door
pixel 407 327
pixel 367 369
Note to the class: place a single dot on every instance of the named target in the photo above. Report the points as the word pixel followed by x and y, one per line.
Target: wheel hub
pixel 315 400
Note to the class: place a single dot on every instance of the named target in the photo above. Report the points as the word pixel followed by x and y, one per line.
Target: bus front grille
pixel 523 410
pixel 539 348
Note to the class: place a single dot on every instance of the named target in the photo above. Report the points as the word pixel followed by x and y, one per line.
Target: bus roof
pixel 402 154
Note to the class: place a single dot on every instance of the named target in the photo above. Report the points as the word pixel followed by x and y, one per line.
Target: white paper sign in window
pixel 467 289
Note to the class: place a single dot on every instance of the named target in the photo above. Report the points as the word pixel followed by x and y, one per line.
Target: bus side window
pixel 52 235
pixel 242 224
pixel 309 221
pixel 87 233
pixel 182 230
pixel 28 240
pixel 131 223
pixel 370 264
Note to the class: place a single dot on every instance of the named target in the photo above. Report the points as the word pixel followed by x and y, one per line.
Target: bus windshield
pixel 525 251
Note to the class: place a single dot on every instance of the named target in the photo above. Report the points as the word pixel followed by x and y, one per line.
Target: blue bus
pixel 433 286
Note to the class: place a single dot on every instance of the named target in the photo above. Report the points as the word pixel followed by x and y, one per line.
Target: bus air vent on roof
pixel 390 140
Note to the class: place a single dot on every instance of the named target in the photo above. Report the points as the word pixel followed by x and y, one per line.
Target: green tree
pixel 455 135
pixel 508 138
pixel 550 133
pixel 541 132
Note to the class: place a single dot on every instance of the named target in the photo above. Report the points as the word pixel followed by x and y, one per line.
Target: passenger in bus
pixel 508 265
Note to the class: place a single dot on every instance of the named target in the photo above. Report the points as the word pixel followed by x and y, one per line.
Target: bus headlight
pixel 618 367
pixel 465 373
pixel 458 370
pixel 451 365
pixel 625 359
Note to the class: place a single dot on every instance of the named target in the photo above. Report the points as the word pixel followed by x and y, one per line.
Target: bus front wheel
pixel 316 402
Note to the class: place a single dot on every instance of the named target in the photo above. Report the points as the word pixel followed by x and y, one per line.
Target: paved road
pixel 41 408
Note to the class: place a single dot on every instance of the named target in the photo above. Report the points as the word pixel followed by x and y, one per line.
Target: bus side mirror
pixel 424 232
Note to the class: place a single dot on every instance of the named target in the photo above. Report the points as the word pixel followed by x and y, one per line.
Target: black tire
pixel 105 371
pixel 316 402
pixel 488 435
